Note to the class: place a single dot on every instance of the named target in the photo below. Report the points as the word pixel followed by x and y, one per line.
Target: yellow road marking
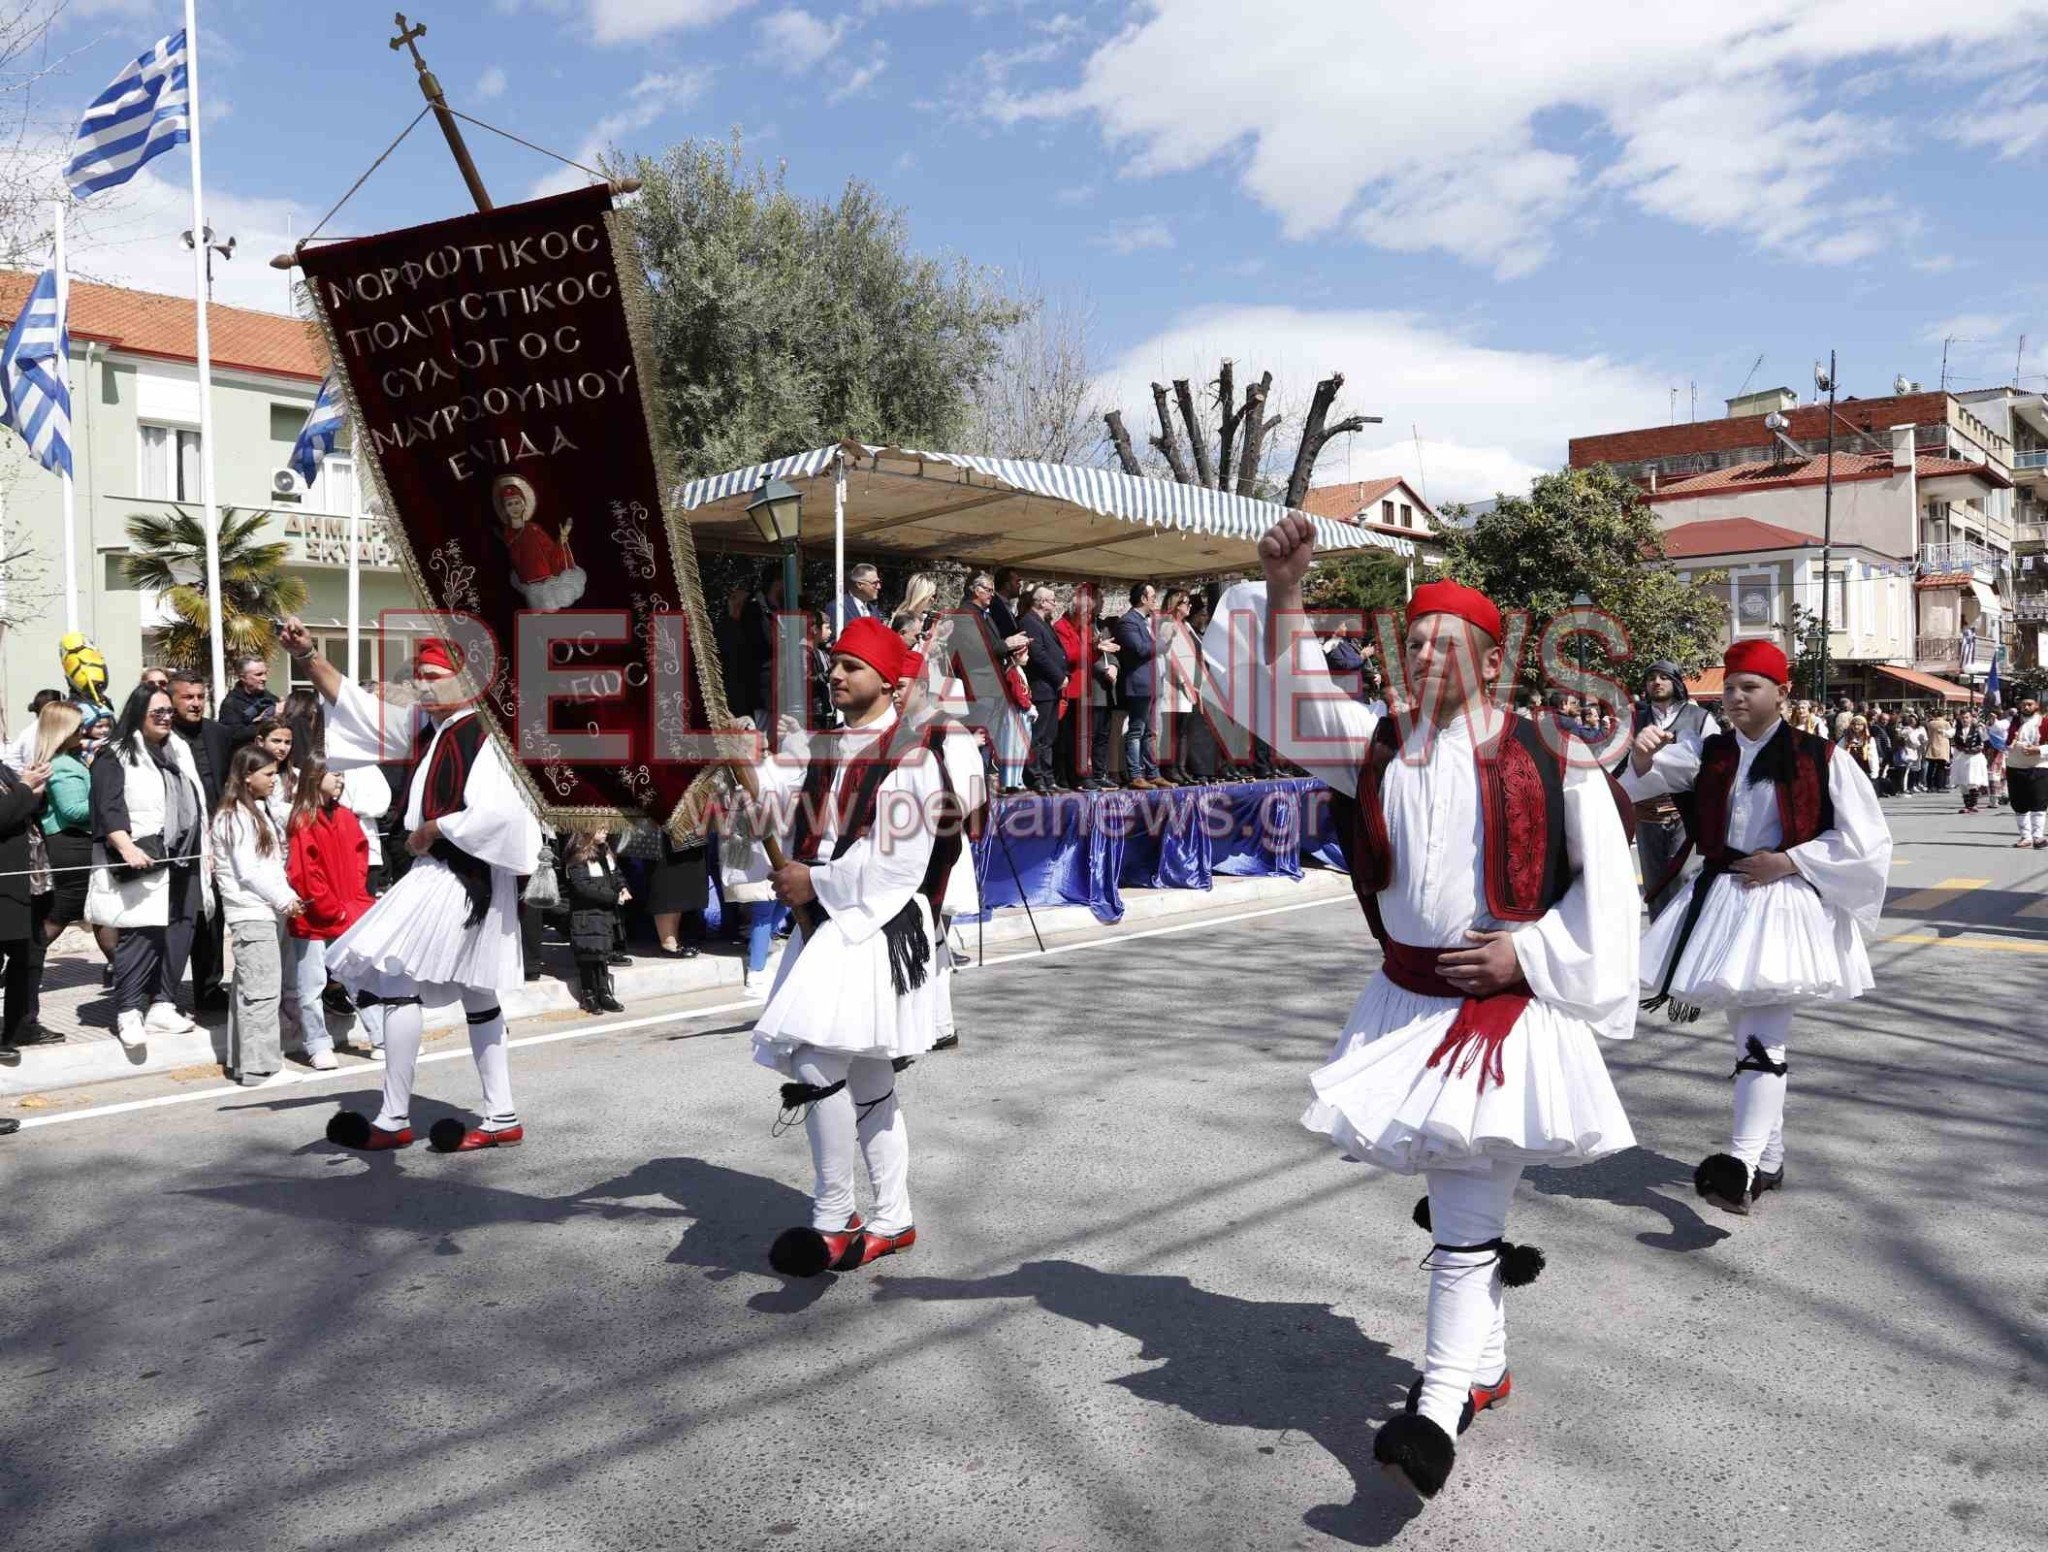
pixel 1937 895
pixel 1996 945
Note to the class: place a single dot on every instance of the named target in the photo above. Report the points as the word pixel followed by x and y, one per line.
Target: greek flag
pixel 316 436
pixel 143 113
pixel 33 374
pixel 1991 679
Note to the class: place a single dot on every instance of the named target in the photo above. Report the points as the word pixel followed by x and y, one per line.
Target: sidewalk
pixel 75 1003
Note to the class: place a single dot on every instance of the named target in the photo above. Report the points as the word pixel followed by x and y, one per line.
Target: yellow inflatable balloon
pixel 85 668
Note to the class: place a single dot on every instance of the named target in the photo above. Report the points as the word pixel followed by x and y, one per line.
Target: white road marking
pixel 682 1016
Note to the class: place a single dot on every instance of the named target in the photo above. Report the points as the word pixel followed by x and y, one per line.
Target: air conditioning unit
pixel 285 485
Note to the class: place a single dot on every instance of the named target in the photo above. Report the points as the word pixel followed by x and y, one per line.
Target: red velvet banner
pixel 496 367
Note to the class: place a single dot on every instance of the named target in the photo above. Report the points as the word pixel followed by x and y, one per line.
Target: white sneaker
pixel 128 1029
pixel 269 1080
pixel 322 1061
pixel 165 1019
pixel 376 1053
pixel 756 990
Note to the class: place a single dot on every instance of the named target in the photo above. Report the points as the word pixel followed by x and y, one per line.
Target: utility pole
pixel 408 36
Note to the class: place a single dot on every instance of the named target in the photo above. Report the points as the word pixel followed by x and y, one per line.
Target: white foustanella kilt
pixel 412 942
pixel 837 994
pixel 1969 770
pixel 1379 1100
pixel 1759 947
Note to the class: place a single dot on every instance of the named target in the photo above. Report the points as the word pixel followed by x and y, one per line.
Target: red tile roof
pixel 1731 536
pixel 1806 422
pixel 1345 502
pixel 145 323
pixel 1767 474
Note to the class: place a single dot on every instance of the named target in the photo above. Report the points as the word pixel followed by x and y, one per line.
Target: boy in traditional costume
pixel 449 929
pixel 1492 860
pixel 871 836
pixel 1795 852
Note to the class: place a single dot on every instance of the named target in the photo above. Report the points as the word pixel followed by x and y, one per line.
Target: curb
pixel 102 1058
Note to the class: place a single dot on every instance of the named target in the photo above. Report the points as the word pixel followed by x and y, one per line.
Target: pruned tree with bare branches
pixel 1038 400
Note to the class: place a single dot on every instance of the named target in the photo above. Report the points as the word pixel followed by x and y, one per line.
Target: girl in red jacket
pixel 328 864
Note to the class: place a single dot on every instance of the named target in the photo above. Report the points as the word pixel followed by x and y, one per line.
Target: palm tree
pixel 167 556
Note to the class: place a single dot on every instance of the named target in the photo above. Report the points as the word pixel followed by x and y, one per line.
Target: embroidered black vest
pixel 442 793
pixel 1795 763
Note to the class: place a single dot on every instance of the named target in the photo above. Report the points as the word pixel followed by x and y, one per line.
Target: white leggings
pixel 1758 1138
pixel 863 1116
pixel 1468 1326
pixel 403 1024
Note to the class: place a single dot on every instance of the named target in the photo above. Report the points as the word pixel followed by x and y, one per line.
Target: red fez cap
pixel 433 652
pixel 1467 603
pixel 875 645
pixel 1758 657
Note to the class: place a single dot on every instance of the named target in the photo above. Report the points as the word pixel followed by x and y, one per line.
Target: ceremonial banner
pixel 499 381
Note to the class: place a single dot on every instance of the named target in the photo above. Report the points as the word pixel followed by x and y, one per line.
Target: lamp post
pixel 1827 524
pixel 777 515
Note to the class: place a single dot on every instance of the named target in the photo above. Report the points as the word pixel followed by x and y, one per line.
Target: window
pixel 1387 513
pixel 1407 515
pixel 334 486
pixel 169 465
pixel 1838 601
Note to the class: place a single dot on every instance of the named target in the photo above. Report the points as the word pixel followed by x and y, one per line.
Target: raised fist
pixel 1286 551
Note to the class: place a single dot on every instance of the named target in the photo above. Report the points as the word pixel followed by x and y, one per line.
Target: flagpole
pixel 64 376
pixel 215 608
pixel 355 585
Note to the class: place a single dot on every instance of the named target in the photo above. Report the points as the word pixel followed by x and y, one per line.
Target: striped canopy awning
pixel 1055 519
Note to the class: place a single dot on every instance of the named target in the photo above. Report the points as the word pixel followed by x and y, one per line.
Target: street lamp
pixel 1582 601
pixel 1825 382
pixel 777 515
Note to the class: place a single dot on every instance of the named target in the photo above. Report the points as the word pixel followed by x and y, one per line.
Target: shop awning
pixel 1049 518
pixel 1927 682
pixel 1706 684
pixel 1987 597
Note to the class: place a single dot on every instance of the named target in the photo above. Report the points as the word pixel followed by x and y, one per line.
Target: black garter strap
pixel 1757 1059
pixel 1494 1245
pixel 485 1015
pixel 798 1099
pixel 865 1106
pixel 372 1000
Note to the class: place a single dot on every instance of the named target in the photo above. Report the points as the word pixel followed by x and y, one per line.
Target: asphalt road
pixel 1147 1309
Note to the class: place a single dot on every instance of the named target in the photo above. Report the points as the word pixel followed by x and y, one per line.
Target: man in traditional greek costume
pixel 1663 845
pixel 871 838
pixel 449 929
pixel 2026 776
pixel 1795 852
pixel 1492 858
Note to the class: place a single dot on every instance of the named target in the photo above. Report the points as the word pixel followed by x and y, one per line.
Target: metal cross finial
pixel 406 35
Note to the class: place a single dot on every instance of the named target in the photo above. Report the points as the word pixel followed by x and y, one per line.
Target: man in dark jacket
pixel 21 927
pixel 1135 649
pixel 246 704
pixel 212 745
pixel 1662 823
pixel 1045 670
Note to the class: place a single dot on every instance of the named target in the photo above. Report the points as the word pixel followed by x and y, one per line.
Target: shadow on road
pixel 1238 1363
pixel 1633 1179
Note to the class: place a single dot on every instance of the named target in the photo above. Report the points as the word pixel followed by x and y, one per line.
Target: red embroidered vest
pixel 1795 763
pixel 1521 802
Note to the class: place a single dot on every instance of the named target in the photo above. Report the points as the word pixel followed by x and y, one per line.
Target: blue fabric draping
pixel 1084 848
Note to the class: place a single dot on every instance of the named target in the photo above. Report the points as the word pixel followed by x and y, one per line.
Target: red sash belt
pixel 1482 1024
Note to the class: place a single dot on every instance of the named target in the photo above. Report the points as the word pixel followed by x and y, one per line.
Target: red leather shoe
pixel 875 1246
pixel 381 1141
pixel 808 1252
pixel 352 1129
pixel 1496 1394
pixel 451 1136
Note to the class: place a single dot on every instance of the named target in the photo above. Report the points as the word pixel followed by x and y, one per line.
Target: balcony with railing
pixel 2031 458
pixel 1961 555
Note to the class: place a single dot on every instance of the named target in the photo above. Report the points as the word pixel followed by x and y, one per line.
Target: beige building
pixel 1389 506
pixel 135 449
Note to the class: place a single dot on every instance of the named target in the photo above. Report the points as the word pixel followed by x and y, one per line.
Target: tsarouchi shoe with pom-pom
pixel 1419 1451
pixel 1723 1179
pixel 1479 1398
pixel 808 1252
pixel 449 1135
pixel 352 1129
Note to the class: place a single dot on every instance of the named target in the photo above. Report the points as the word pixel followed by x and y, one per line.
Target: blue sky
pixel 1507 222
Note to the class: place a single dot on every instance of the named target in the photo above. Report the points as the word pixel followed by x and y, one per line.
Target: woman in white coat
pixel 150 852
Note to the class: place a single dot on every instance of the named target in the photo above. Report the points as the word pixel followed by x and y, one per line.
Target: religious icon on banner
pixel 544 568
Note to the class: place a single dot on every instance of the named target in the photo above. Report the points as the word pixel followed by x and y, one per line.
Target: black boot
pixel 587 971
pixel 605 998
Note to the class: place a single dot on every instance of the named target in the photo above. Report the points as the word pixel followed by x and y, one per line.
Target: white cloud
pixel 1967 326
pixel 1478 126
pixel 635 21
pixel 140 243
pixel 651 99
pixel 795 40
pixel 1137 235
pixel 2012 130
pixel 862 77
pixel 1489 419
pixel 490 84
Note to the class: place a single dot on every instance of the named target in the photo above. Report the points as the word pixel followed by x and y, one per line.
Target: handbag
pixel 544 888
pixel 152 847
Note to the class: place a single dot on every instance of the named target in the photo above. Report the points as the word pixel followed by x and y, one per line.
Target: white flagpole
pixel 355 585
pixel 199 255
pixel 839 543
pixel 64 376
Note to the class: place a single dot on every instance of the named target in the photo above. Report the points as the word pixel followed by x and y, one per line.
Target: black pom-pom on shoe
pixel 348 1128
pixel 1419 1450
pixel 1520 1265
pixel 1422 1215
pixel 446 1134
pixel 1723 1179
pixel 800 1252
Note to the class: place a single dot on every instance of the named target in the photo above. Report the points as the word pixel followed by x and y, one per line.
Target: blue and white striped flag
pixel 143 113
pixel 316 436
pixel 34 375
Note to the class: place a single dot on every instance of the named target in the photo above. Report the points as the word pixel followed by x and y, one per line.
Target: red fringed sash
pixel 1482 1023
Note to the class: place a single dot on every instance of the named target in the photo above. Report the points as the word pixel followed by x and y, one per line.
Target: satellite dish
pixel 1775 421
pixel 1902 384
